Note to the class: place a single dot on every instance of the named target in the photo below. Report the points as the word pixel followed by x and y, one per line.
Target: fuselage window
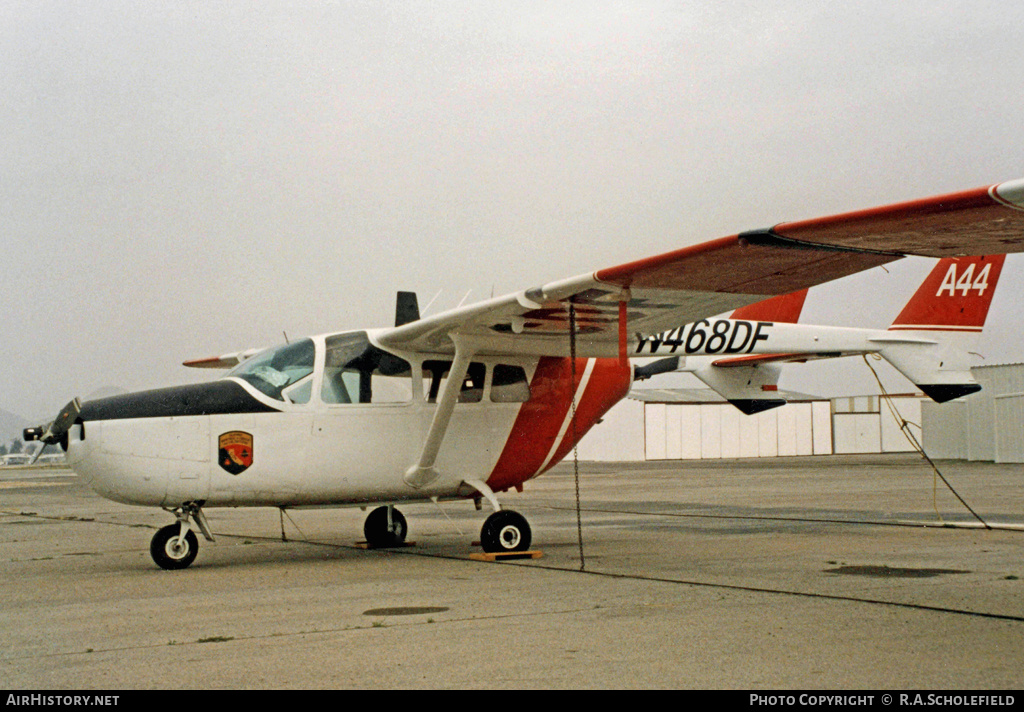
pixel 274 370
pixel 356 371
pixel 509 385
pixel 435 373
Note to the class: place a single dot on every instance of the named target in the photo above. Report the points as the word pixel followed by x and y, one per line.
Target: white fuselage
pixel 303 445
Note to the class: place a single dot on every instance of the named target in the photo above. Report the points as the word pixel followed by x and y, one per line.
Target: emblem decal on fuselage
pixel 235 451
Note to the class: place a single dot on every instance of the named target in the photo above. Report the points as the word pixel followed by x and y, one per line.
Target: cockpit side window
pixel 274 370
pixel 356 371
pixel 436 373
pixel 509 384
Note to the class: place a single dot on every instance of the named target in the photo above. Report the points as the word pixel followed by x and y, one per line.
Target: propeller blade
pixel 35 457
pixel 664 365
pixel 55 430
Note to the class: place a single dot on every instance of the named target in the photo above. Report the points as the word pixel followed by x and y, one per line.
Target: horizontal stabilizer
pixel 224 361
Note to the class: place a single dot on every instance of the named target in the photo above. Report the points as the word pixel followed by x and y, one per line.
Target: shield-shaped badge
pixel 235 451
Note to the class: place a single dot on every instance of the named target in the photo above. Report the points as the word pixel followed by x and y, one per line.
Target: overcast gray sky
pixel 181 179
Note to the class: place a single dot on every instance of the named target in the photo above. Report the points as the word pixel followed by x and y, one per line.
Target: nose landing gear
pixel 175 546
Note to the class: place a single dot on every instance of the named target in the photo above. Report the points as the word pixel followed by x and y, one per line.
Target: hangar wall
pixel 679 431
pixel 690 424
pixel 695 423
pixel 864 424
pixel 987 426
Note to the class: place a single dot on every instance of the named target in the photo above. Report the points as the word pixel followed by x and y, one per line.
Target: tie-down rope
pixel 905 428
pixel 575 451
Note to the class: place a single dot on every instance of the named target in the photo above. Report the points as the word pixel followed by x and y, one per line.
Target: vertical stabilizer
pixel 947 314
pixel 784 308
pixel 955 296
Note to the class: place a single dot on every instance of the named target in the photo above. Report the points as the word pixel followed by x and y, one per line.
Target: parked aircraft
pixel 477 400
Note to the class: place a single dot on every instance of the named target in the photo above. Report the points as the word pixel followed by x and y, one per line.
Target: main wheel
pixel 380 534
pixel 172 551
pixel 504 531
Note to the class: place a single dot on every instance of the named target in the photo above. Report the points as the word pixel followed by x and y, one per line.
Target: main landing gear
pixel 505 531
pixel 175 546
pixel 385 528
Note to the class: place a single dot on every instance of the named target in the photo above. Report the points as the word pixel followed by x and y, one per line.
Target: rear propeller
pixel 56 431
pixel 664 365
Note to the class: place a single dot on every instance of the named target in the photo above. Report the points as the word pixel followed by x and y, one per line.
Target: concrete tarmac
pixel 791 573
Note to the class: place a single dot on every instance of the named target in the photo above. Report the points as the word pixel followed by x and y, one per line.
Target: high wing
pixel 612 306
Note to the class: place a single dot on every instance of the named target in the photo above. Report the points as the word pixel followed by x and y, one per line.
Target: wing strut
pixel 424 472
pixel 623 329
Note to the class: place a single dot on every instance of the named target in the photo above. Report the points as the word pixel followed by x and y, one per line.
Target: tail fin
pixel 946 314
pixel 955 296
pixel 784 308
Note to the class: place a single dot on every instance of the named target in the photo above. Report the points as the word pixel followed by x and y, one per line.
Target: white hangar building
pixel 987 426
pixel 697 423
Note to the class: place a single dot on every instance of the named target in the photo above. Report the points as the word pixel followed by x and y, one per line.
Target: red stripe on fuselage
pixel 540 419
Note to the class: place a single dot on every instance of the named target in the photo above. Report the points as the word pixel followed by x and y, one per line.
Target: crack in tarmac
pixel 371 626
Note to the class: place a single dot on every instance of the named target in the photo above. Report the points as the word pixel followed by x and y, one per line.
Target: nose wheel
pixel 175 546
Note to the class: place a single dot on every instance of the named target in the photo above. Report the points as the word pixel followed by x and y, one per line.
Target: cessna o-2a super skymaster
pixel 479 399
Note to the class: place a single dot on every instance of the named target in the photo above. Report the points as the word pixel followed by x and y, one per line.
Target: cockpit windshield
pixel 276 369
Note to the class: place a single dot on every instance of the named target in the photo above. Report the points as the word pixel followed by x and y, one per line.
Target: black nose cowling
pixel 211 398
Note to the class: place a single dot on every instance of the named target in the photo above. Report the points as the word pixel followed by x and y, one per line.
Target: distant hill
pixel 11 426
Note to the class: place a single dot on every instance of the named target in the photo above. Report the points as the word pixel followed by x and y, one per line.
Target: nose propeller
pixel 57 429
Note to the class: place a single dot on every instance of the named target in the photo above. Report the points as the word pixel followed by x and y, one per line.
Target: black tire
pixel 377 532
pixel 505 531
pixel 169 553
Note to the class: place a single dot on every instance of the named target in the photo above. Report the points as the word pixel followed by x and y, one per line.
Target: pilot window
pixel 300 392
pixel 276 370
pixel 435 373
pixel 356 371
pixel 509 385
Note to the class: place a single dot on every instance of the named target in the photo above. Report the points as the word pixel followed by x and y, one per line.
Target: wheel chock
pixel 505 555
pixel 366 545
